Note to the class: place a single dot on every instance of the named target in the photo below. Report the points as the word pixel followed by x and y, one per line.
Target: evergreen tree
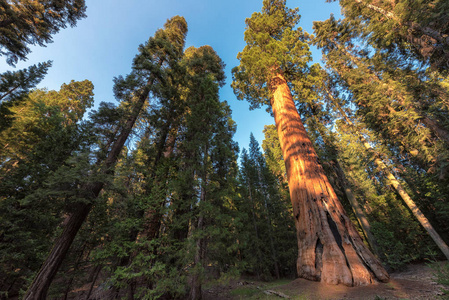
pixel 392 223
pixel 276 54
pixel 27 22
pixel 264 244
pixel 399 188
pixel 273 152
pixel 149 68
pixel 404 118
pixel 183 173
pixel 395 99
pixel 15 86
pixel 206 154
pixel 412 29
pixel 46 132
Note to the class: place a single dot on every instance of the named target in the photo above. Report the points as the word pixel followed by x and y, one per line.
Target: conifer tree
pixel 15 86
pixel 183 172
pixel 276 54
pixel 46 122
pixel 267 246
pixel 273 152
pixel 149 69
pixel 391 222
pixel 405 119
pixel 206 154
pixel 413 29
pixel 394 99
pixel 397 186
pixel 27 22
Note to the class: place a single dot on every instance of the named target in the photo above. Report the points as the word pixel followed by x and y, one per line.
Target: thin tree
pixel 165 48
pixel 394 182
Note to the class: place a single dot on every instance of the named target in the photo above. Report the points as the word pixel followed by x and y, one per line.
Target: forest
pixel 151 197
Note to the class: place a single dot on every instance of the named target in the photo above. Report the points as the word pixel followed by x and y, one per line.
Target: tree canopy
pixel 151 197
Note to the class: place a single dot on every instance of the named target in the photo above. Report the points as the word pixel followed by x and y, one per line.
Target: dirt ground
pixel 415 282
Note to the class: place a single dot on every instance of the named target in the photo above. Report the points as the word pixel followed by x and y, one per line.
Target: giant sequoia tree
pixel 330 249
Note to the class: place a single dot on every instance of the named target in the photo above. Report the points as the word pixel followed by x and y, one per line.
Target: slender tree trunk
pixel 93 279
pixel 273 253
pixel 410 204
pixel 358 211
pixel 39 287
pixel 270 236
pixel 75 267
pixel 399 189
pixel 329 247
pixel 153 215
pixel 434 126
pixel 256 231
pixel 195 280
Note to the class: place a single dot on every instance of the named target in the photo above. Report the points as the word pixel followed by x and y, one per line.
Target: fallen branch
pixel 279 294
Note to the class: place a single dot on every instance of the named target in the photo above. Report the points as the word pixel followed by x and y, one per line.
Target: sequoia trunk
pixel 329 247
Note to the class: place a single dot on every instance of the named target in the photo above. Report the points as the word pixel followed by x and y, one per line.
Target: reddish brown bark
pixel 329 247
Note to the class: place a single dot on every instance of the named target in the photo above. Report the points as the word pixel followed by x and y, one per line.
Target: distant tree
pixel 15 86
pixel 266 244
pixel 276 56
pixel 27 22
pixel 273 152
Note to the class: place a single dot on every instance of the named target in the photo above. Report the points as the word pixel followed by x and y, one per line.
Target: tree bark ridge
pixel 329 247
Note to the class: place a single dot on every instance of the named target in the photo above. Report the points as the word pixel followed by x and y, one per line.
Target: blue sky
pixel 103 45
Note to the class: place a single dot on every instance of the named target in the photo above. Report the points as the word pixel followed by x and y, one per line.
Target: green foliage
pixel 14 88
pixel 273 152
pixel 173 220
pixel 407 29
pixel 403 106
pixel 392 224
pixel 274 44
pixel 266 231
pixel 441 273
pixel 27 22
pixel 37 187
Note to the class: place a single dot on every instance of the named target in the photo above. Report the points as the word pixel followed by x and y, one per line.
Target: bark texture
pixel 329 247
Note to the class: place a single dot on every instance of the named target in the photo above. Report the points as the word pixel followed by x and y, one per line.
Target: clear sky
pixel 103 45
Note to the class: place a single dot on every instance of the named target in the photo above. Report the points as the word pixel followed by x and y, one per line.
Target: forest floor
pixel 417 281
